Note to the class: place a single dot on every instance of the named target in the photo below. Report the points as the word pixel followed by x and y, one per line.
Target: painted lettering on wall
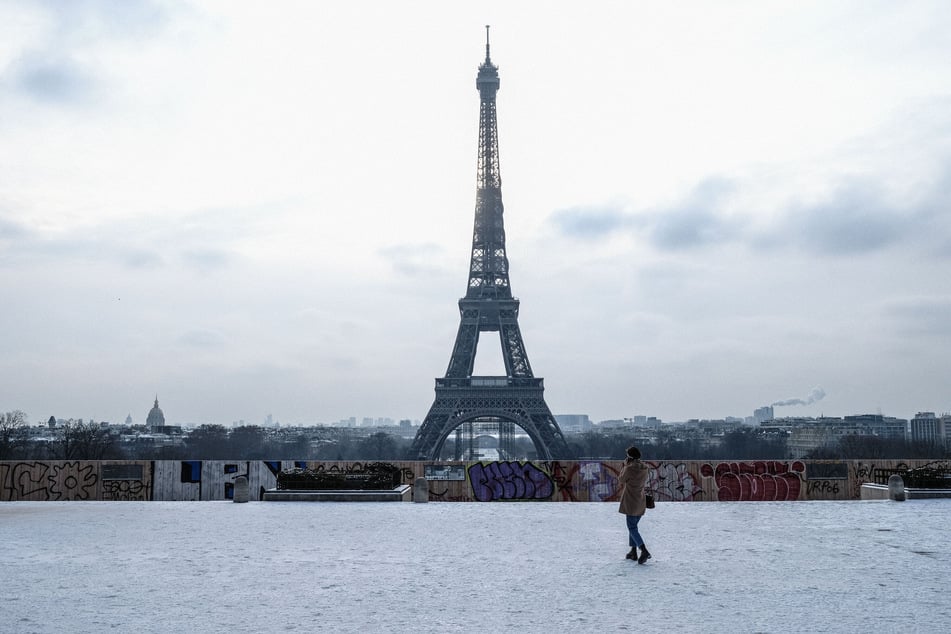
pixel 763 480
pixel 673 483
pixel 70 480
pixel 492 481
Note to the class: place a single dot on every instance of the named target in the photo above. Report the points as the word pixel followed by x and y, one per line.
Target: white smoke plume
pixel 817 394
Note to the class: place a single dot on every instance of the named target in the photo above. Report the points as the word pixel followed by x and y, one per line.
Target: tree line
pixel 89 441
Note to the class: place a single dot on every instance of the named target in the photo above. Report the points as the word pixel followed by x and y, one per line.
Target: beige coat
pixel 632 479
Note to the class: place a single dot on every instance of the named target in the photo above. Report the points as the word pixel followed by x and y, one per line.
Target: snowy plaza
pixel 873 566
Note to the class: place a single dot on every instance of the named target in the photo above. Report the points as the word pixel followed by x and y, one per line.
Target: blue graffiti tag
pixel 509 481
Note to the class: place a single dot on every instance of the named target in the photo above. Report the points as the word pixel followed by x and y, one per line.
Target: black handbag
pixel 649 500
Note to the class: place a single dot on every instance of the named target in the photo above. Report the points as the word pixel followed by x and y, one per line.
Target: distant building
pixel 809 434
pixel 927 428
pixel 716 427
pixel 762 414
pixel 156 416
pixel 574 423
pixel 647 421
pixel 881 426
pixel 156 422
pixel 615 424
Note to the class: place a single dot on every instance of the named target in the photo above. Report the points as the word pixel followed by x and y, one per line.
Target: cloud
pixel 58 67
pixel 141 259
pixel 591 222
pixel 698 221
pixel 52 79
pixel 858 217
pixel 921 315
pixel 207 259
pixel 854 220
pixel 10 230
pixel 202 339
pixel 136 244
pixel 694 222
pixel 692 227
pixel 414 260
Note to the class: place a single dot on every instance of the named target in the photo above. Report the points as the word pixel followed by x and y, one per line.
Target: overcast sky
pixel 259 208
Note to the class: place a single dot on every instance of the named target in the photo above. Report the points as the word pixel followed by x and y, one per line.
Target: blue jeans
pixel 634 537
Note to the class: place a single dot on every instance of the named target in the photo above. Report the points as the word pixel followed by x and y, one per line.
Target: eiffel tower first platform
pixel 518 397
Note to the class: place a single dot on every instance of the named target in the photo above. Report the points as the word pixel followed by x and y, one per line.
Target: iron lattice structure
pixel 488 306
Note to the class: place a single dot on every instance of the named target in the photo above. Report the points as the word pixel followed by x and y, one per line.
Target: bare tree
pixel 84 441
pixel 208 442
pixel 13 434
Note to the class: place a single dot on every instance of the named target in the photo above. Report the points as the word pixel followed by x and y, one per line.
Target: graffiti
pixel 563 477
pixel 24 481
pixel 444 496
pixel 861 473
pixel 822 488
pixel 509 481
pixel 43 481
pixel 352 467
pixel 764 480
pixel 407 475
pixel 70 481
pixel 599 481
pixel 556 480
pixel 122 490
pixel 673 483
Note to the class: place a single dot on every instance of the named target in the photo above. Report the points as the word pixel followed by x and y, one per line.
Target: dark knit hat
pixel 633 452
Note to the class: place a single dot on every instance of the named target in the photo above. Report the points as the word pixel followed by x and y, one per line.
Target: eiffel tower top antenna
pixel 487 60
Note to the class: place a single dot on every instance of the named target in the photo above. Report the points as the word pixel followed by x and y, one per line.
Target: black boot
pixel 632 554
pixel 644 555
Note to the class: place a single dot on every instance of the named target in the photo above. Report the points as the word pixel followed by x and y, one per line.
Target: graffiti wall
pixel 489 481
pixel 75 480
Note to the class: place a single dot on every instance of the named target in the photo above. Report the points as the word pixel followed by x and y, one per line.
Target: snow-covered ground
pixel 454 567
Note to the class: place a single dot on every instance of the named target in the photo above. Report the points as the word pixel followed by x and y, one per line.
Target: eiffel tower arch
pixel 489 306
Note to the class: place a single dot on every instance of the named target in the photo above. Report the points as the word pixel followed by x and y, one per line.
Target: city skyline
pixel 255 211
pixel 131 418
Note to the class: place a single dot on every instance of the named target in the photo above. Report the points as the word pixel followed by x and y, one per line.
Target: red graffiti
pixel 764 480
pixel 562 476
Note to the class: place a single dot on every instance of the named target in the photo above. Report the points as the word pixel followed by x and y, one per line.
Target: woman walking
pixel 632 479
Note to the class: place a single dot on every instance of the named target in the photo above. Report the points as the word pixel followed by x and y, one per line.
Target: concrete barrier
pixel 421 490
pixel 242 492
pixel 896 488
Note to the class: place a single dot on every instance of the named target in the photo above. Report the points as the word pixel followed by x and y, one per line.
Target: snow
pixel 458 567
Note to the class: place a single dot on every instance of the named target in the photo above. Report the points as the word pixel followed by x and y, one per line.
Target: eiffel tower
pixel 518 397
